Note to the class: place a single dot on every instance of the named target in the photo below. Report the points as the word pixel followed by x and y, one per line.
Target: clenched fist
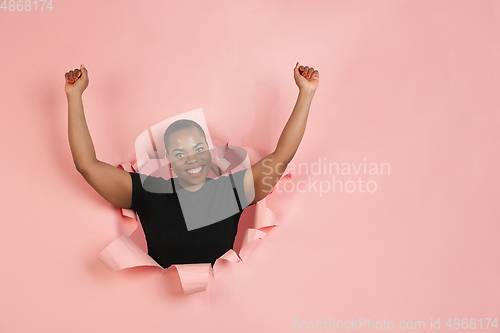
pixel 76 80
pixel 306 77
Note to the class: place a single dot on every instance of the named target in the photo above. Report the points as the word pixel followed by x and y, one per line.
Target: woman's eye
pixel 178 155
pixel 199 150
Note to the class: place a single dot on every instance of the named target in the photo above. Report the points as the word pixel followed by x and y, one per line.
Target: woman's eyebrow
pixel 182 149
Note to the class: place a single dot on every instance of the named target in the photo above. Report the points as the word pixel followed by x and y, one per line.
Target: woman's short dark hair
pixel 178 125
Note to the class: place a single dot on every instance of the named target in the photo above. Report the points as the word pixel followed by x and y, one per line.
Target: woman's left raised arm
pixel 266 172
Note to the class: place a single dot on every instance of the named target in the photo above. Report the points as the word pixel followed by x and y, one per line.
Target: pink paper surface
pixel 414 84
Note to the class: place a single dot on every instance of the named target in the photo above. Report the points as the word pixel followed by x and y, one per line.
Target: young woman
pixel 173 220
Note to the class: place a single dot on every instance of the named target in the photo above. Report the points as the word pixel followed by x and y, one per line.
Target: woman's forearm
pixel 80 141
pixel 293 132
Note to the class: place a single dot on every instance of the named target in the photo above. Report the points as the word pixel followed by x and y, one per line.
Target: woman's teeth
pixel 198 169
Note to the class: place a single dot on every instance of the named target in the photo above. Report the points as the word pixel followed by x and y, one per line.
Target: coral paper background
pixel 414 84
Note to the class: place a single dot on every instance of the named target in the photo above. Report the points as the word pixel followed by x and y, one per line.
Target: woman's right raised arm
pixel 112 183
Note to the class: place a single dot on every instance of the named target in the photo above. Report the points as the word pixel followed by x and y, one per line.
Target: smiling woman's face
pixel 188 151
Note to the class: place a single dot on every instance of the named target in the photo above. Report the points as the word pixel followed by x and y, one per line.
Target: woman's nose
pixel 192 158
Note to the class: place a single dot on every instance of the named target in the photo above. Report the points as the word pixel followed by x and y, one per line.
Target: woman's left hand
pixel 306 77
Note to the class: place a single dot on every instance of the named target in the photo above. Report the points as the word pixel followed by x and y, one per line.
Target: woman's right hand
pixel 76 80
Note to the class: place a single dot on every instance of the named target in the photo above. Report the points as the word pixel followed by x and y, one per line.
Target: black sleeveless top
pixel 173 218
